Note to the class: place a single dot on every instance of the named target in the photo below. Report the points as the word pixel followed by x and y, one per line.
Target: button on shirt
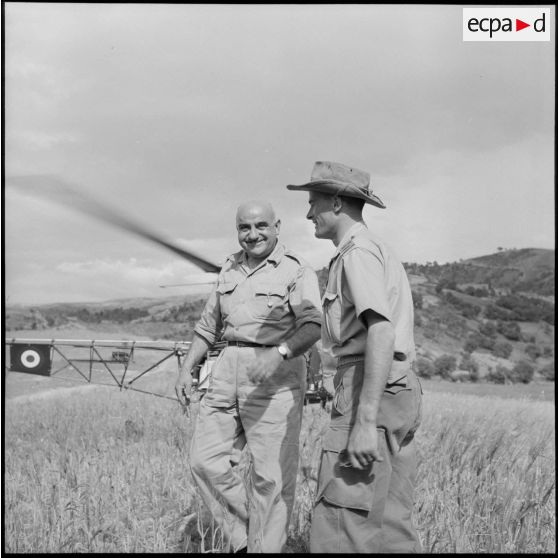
pixel 264 305
pixel 365 274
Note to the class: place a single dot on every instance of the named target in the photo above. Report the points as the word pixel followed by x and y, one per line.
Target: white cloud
pixel 177 113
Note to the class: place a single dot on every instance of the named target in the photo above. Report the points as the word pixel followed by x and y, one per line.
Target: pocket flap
pixel 277 289
pixel 347 487
pixel 398 373
pixel 335 440
pixel 224 288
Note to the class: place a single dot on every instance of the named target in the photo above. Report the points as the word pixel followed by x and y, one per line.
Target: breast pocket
pixel 225 291
pixel 270 302
pixel 332 315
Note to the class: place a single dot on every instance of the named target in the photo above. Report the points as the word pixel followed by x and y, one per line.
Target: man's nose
pixel 253 233
pixel 309 214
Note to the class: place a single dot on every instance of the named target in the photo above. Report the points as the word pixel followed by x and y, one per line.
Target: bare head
pixel 258 229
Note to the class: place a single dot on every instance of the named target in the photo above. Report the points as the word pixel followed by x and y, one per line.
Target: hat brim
pixel 339 188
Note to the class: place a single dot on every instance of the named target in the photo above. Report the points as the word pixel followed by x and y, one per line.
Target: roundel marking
pixel 30 358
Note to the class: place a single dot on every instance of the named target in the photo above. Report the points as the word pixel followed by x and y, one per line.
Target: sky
pixel 175 114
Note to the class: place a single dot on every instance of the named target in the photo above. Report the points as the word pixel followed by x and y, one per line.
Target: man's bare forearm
pixel 377 364
pixel 304 338
pixel 197 351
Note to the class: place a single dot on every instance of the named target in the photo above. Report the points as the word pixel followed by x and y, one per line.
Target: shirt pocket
pixel 270 302
pixel 226 291
pixel 332 315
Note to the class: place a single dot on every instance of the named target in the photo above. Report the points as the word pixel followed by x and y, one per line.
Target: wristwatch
pixel 283 351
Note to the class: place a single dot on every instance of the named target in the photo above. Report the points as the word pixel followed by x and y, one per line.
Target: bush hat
pixel 336 178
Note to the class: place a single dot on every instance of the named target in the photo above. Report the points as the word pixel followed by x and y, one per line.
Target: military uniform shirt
pixel 264 305
pixel 365 274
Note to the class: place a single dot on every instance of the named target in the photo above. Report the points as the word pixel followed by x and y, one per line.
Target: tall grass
pixel 106 471
pixel 486 478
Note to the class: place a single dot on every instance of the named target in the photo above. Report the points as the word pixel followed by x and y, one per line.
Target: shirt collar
pixel 274 257
pixel 359 226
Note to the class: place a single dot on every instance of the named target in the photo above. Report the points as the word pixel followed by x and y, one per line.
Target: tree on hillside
pixel 522 372
pixel 467 309
pixel 444 365
pixel 510 330
pixel 424 367
pixel 472 343
pixel 488 328
pixel 527 309
pixel 498 375
pixel 547 372
pixel 533 351
pixel 502 349
pixel 470 364
pixel 445 284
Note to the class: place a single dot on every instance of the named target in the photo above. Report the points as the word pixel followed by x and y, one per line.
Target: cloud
pixel 40 140
pixel 177 113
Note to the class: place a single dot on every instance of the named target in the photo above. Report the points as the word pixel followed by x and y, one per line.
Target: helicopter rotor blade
pixel 52 187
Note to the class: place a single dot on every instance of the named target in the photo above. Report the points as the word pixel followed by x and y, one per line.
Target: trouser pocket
pixel 400 411
pixel 346 487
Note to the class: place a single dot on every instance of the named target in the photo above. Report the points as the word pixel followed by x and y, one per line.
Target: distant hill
pixel 527 270
pixel 493 315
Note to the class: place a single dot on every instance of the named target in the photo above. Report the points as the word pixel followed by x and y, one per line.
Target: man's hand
pixel 363 448
pixel 183 387
pixel 266 363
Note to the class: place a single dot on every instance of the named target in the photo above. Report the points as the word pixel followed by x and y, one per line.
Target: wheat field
pixel 101 470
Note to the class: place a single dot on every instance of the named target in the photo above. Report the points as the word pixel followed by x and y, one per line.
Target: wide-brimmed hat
pixel 336 178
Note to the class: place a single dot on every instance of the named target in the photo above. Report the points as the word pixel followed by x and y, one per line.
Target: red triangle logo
pixel 519 25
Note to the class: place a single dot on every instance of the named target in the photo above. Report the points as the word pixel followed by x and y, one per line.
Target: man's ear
pixel 336 204
pixel 278 225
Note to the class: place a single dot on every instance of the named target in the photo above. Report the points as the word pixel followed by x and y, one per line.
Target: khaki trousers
pixel 265 417
pixel 369 511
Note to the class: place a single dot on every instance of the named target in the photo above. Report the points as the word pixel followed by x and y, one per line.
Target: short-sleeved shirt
pixel 264 305
pixel 365 274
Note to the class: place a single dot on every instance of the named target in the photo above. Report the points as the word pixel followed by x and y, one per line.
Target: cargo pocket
pixel 397 378
pixel 400 410
pixel 346 487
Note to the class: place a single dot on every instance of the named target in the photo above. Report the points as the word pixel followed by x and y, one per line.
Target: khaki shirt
pixel 265 305
pixel 365 274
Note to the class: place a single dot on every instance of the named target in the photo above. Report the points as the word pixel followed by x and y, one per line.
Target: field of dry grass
pixel 99 470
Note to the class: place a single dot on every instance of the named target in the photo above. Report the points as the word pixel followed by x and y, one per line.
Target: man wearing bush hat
pixel 367 473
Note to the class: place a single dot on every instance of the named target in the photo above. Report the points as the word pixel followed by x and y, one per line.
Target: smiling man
pixel 266 306
pixel 368 468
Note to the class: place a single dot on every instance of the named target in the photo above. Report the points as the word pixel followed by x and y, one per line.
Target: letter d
pixel 537 21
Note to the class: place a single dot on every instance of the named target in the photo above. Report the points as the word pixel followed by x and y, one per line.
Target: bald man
pixel 266 306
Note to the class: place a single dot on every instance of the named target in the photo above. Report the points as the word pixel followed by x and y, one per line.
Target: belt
pixel 247 344
pixel 346 359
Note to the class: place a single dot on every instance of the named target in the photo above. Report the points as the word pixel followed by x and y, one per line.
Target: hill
pixel 528 270
pixel 490 317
